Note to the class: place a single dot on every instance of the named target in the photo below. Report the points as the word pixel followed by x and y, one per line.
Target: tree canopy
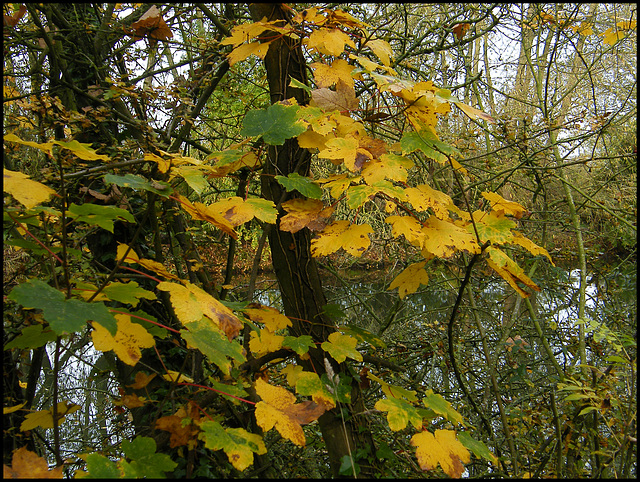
pixel 319 240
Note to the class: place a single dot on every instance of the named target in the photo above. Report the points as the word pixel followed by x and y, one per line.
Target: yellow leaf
pixel 293 373
pixel 423 197
pixel 442 448
pixel 27 192
pixel 342 99
pixel 408 226
pixel 341 347
pixel 150 264
pixel 353 239
pixel 339 70
pixel 382 49
pixel 389 166
pixel 44 418
pixel 530 246
pixel 245 50
pixel 304 213
pixel 270 317
pixel 278 409
pixel 509 271
pixel 142 380
pixel 338 183
pixel 15 408
pixel 410 279
pixel 238 211
pixel 128 341
pixel 172 376
pixel 27 465
pixel 443 238
pixel 329 41
pixel 500 204
pixel 265 341
pixel 203 212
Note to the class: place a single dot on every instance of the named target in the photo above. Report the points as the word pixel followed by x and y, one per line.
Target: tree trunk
pixel 295 268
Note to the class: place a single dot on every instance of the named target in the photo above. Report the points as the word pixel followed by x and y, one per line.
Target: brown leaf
pixel 27 465
pixel 151 24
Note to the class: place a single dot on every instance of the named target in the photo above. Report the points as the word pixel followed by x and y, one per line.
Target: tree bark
pixel 295 268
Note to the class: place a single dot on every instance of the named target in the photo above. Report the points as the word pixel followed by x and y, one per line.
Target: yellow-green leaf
pixel 27 192
pixel 341 347
pixel 400 413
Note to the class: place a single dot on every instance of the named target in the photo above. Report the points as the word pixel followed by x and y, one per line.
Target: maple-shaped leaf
pixel 135 181
pixel 127 342
pixel 337 183
pixel 150 264
pixel 183 426
pixel 509 271
pixel 264 341
pixel 371 66
pixel 83 151
pixel 438 404
pixel 304 185
pixel 389 166
pixel 478 448
pixel 131 400
pixel 12 20
pixel 493 226
pixel 423 197
pixel 237 443
pixel 393 391
pixel 205 336
pixel 238 211
pixel 202 212
pixel 360 194
pixel 144 461
pixel 444 238
pixel 340 234
pixel 151 24
pixel 408 226
pixel 305 213
pixel 278 409
pixel 501 205
pixel 328 41
pixel 241 52
pixel 267 315
pixel 275 124
pixel 363 336
pixel 461 29
pixel 428 143
pixel 341 347
pixel 440 448
pixel 191 302
pixel 329 75
pixel 173 376
pixel 231 160
pixel 194 177
pixel 299 344
pixel 63 316
pixel 95 214
pixel 129 293
pixel 530 246
pixel 345 149
pixel 410 279
pixel 292 372
pixel 141 380
pixel 342 99
pixel 382 49
pixel 26 191
pixel 28 465
pixel 44 418
pixel 400 413
pixel 310 384
pixel 31 337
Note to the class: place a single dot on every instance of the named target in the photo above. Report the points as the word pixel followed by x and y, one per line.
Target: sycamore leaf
pixel 151 24
pixel 127 342
pixel 428 143
pixel 410 279
pixel 134 181
pixel 275 124
pixel 210 214
pixel 194 177
pixel 292 372
pixel 393 391
pixel 141 380
pixel 493 226
pixel 478 448
pixel 461 29
pixel 310 384
pixel 32 337
pixel 352 238
pixel 302 184
pixel 339 70
pixel 267 315
pixel 278 409
pixel 241 52
pixel 44 418
pixel 441 448
pixel 27 192
pixel 81 150
pixel 408 226
pixel 95 214
pixel 27 465
pixel 337 183
pixel 358 195
pixel 382 49
pixel 389 166
pixel 400 413
pixel 346 149
pixel 238 211
pixel 328 41
pixel 129 293
pixel 305 213
pixel 150 264
pixel 264 341
pixel 423 197
pixel 299 344
pixel 530 246
pixel 509 271
pixel 363 336
pixel 342 99
pixel 501 205
pixel 177 377
pixel 237 443
pixel 341 347
pixel 145 462
pixel 443 238
pixel 205 336
pixel 442 407
pixel 180 425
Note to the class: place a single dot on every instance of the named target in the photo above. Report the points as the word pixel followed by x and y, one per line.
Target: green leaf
pixel 439 405
pixel 341 347
pixel 236 390
pixel 303 185
pixel 363 335
pixel 64 316
pixel 400 413
pixel 144 461
pixel 203 335
pixel 478 448
pixel 237 443
pixel 309 384
pixel 138 182
pixel 102 216
pixel 299 85
pixel 129 293
pixel 299 344
pixel 194 178
pixel 587 410
pixel 348 466
pixel 31 337
pixel 83 151
pixel 427 142
pixel 100 467
pixel 275 124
